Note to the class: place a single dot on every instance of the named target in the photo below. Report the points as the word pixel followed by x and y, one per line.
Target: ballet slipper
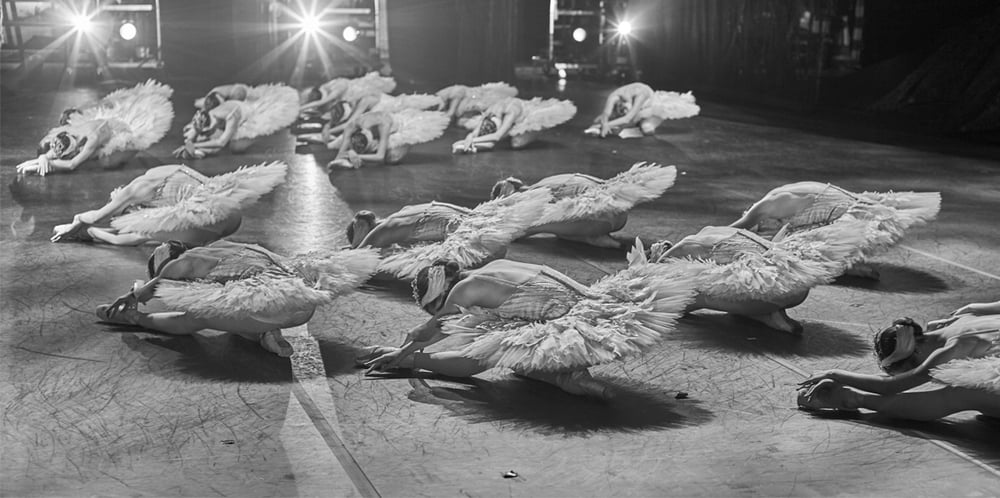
pixel 275 343
pixel 124 317
pixel 827 394
pixel 580 382
pixel 779 320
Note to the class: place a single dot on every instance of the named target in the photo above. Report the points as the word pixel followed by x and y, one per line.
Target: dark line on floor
pixel 59 355
pixel 347 461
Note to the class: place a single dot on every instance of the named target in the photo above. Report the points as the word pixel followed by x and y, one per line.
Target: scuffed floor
pixel 93 409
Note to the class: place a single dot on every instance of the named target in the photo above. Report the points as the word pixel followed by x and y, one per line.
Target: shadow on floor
pixel 223 357
pixel 735 333
pixel 976 437
pixel 895 278
pixel 546 409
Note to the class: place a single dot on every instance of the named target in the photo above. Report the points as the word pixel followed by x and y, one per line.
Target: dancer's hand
pixel 605 129
pixel 44 166
pixel 353 159
pixel 60 232
pixel 128 301
pixel 977 309
pixel 340 162
pixel 387 361
pixel 818 377
pixel 29 166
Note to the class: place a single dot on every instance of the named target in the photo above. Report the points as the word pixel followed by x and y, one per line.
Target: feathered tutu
pixel 418 101
pixel 975 373
pixel 643 182
pixel 411 126
pixel 670 105
pixel 737 265
pixel 138 117
pixel 270 289
pixel 481 234
pixel 542 328
pixel 542 114
pixel 369 84
pixel 268 108
pixel 888 215
pixel 185 204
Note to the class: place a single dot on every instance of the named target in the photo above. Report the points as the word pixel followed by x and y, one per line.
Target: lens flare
pixel 350 34
pixel 82 23
pixel 310 24
pixel 127 30
pixel 579 34
pixel 625 28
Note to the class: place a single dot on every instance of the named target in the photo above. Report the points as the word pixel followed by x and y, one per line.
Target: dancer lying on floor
pixel 110 133
pixel 738 272
pixel 519 120
pixel 588 209
pixel 243 289
pixel 237 124
pixel 175 202
pixel 802 206
pixel 347 110
pixel 385 138
pixel 463 103
pixel 428 222
pixel 635 110
pixel 962 356
pixel 536 321
pixel 121 97
pixel 321 99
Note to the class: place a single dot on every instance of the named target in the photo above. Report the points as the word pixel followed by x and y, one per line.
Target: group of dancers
pixel 487 311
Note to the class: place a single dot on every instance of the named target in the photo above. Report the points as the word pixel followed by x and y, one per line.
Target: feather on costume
pixel 805 206
pixel 535 115
pixel 735 265
pixel 254 282
pixel 975 373
pixel 583 197
pixel 670 105
pixel 484 232
pixel 268 108
pixel 418 101
pixel 135 118
pixel 549 326
pixel 411 127
pixel 187 199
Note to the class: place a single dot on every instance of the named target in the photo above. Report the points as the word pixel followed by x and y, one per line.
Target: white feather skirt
pixel 626 314
pixel 418 101
pixel 542 114
pixel 202 205
pixel 369 84
pixel 273 107
pixel 301 283
pixel 670 105
pixel 973 373
pixel 643 182
pixel 480 235
pixel 415 127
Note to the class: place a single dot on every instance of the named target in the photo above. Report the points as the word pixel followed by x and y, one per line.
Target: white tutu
pixel 369 84
pixel 741 266
pixel 252 284
pixel 481 234
pixel 642 182
pixel 191 200
pixel 888 215
pixel 670 105
pixel 418 101
pixel 411 127
pixel 974 373
pixel 271 108
pixel 543 327
pixel 539 114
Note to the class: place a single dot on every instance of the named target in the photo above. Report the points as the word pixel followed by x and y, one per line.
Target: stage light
pixel 579 34
pixel 625 28
pixel 562 74
pixel 310 24
pixel 350 34
pixel 127 30
pixel 81 23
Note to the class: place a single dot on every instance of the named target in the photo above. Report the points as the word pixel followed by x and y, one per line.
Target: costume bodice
pixel 985 327
pixel 826 206
pixel 544 296
pixel 175 187
pixel 246 262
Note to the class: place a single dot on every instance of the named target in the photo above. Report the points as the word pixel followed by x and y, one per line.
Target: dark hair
pixel 176 248
pixel 359 142
pixel 200 116
pixel 69 111
pixel 451 269
pixel 498 186
pixel 487 126
pixel 338 111
pixel 212 100
pixel 885 340
pixel 363 214
pixel 314 94
pixel 64 141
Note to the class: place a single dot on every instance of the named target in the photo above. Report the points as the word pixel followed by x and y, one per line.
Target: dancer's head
pixel 506 187
pixel 897 347
pixel 202 121
pixel 212 100
pixel 363 223
pixel 433 283
pixel 62 146
pixel 620 108
pixel 163 254
pixel 339 112
pixel 67 114
pixel 363 141
pixel 489 125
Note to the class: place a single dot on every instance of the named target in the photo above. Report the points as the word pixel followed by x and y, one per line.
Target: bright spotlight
pixel 127 30
pixel 350 34
pixel 310 24
pixel 562 74
pixel 81 23
pixel 625 28
pixel 579 34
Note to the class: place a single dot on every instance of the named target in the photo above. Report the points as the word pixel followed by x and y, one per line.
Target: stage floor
pixel 93 409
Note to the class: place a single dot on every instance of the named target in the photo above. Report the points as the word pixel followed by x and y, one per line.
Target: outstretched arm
pixel 384 127
pixel 212 145
pixel 324 100
pixel 506 123
pixel 638 102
